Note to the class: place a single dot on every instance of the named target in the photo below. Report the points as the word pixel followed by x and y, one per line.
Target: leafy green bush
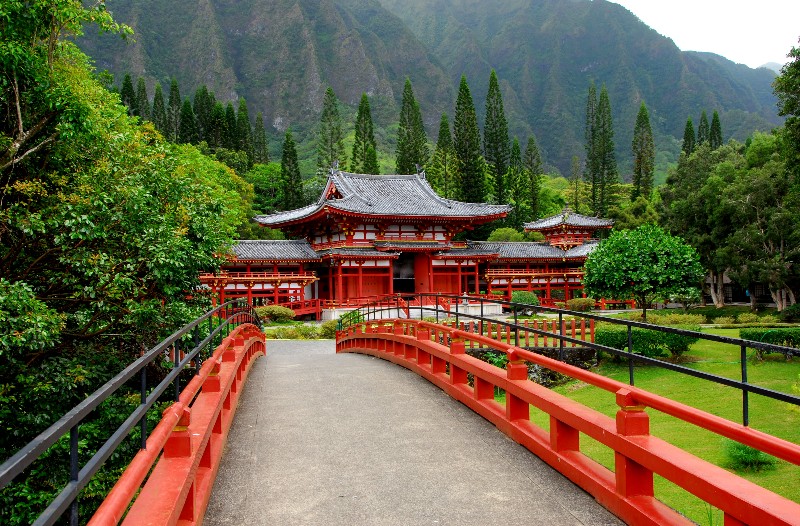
pixel 646 342
pixel 581 304
pixel 724 320
pixel 275 313
pixel 748 317
pixel 524 297
pixel 791 313
pixel 768 318
pixel 328 329
pixel 351 318
pixel 672 319
pixel 746 458
pixel 788 336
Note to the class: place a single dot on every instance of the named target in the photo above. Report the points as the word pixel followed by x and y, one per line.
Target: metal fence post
pixel 745 392
pixel 630 356
pixel 73 471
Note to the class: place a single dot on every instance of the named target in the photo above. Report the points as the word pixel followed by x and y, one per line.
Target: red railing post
pixel 516 408
pixel 632 478
pixel 457 375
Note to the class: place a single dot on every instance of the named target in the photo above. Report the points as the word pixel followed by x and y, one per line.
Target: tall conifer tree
pixel 216 135
pixel 203 107
pixel 644 155
pixel 260 147
pixel 443 169
pixel 715 135
pixel 244 131
pixel 606 159
pixel 142 102
pixel 467 146
pixel 128 95
pixel 575 182
pixel 703 129
pixel 517 186
pixel 159 110
pixel 330 138
pixel 364 140
pixel 229 129
pixel 188 126
pixel 688 137
pixel 495 138
pixel 174 104
pixel 591 169
pixel 291 182
pixel 532 163
pixel 412 143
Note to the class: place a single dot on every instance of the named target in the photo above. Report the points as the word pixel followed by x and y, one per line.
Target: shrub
pixel 748 317
pixel 646 342
pixel 791 313
pixel 768 318
pixel 581 304
pixel 724 320
pixel 676 318
pixel 786 336
pixel 327 330
pixel 275 313
pixel 746 458
pixel 351 318
pixel 524 297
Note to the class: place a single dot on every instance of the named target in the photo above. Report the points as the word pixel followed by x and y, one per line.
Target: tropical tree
pixel 203 106
pixel 187 129
pixel 591 168
pixel 330 138
pixel 532 164
pixel 412 143
pixel 787 89
pixel 645 264
pixel 364 140
pixel 467 146
pixel 495 139
pixel 518 187
pixel 703 130
pixel 127 95
pixel 159 116
pixel 230 137
pixel 688 137
pixel 715 135
pixel 644 155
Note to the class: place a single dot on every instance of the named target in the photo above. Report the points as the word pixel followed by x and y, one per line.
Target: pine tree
pixel 702 129
pixel 187 134
pixel 517 187
pixel 371 165
pixel 216 134
pixel 575 182
pixel 229 129
pixel 715 135
pixel 244 132
pixel 364 140
pixel 203 107
pixel 467 147
pixel 644 155
pixel 128 95
pixel 291 182
pixel 688 137
pixel 591 169
pixel 159 111
pixel 330 138
pixel 142 102
pixel 605 157
pixel 532 163
pixel 442 171
pixel 412 143
pixel 173 111
pixel 495 138
pixel 260 147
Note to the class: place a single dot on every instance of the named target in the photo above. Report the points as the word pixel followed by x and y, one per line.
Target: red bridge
pixel 332 438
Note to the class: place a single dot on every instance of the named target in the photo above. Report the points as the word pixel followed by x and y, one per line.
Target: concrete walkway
pixel 321 438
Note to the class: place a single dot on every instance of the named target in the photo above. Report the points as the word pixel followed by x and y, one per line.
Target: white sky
pixel 744 31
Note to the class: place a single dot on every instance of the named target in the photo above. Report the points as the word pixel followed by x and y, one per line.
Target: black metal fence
pixel 460 305
pixel 190 345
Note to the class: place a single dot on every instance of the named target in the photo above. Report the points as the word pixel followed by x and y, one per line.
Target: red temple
pixel 374 235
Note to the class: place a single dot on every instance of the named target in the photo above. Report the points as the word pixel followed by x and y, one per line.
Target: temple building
pixel 374 235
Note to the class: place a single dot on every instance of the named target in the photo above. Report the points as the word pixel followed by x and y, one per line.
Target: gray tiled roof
pixel 400 245
pixel 357 252
pixel 520 250
pixel 382 195
pixel 275 250
pixel 581 251
pixel 569 218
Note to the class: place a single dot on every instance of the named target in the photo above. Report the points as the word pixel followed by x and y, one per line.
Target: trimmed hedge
pixel 649 343
pixel 786 336
pixel 275 313
pixel 581 304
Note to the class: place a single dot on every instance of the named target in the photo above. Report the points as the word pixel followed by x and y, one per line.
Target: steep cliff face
pixel 281 54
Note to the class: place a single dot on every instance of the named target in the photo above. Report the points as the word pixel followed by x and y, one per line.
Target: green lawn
pixel 775 418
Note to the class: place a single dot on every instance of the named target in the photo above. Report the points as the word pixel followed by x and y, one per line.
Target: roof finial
pixel 420 171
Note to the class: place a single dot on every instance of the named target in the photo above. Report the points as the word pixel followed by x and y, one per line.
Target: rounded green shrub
pixel 745 458
pixel 581 304
pixel 275 313
pixel 327 330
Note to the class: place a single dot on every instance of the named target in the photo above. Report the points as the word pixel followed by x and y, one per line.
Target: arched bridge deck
pixel 321 438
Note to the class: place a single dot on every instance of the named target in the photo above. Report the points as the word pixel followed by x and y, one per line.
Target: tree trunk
pixel 779 297
pixel 717 288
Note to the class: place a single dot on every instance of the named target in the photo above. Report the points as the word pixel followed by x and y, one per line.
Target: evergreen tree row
pixel 226 132
pixel 710 134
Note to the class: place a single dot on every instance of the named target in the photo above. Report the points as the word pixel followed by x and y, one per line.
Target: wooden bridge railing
pixel 437 353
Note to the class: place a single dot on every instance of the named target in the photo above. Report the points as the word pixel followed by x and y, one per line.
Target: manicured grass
pixel 776 418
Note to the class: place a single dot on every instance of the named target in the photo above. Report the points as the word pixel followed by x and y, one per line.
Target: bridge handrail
pixel 437 353
pixel 235 311
pixel 371 311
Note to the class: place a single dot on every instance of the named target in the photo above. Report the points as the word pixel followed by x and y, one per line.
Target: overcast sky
pixel 745 31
